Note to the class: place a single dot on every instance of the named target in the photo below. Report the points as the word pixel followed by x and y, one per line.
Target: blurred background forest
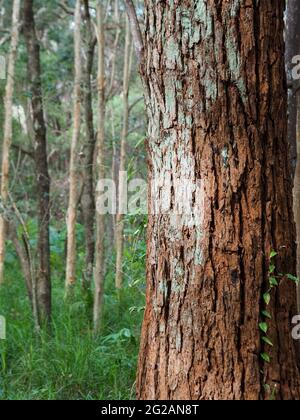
pixel 68 360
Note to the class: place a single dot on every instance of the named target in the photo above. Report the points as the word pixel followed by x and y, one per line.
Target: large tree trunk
pixel 88 194
pixel 7 135
pixel 216 100
pixel 99 273
pixel 73 179
pixel 120 215
pixel 41 163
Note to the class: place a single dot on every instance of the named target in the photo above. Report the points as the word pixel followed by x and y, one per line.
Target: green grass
pixel 70 363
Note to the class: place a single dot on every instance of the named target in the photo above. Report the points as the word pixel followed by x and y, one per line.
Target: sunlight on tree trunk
pixel 7 136
pixel 73 191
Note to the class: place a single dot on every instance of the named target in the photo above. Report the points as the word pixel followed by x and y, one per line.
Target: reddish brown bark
pixel 216 101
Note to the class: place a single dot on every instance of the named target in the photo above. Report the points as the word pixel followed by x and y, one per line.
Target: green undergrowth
pixel 68 362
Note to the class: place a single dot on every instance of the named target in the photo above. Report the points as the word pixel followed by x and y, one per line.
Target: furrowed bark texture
pixel 216 101
pixel 41 162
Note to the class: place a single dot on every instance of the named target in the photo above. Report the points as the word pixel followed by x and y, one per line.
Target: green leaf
pixel 264 327
pixel 267 298
pixel 293 278
pixel 272 268
pixel 265 357
pixel 273 281
pixel 267 388
pixel 267 341
pixel 267 314
pixel 273 254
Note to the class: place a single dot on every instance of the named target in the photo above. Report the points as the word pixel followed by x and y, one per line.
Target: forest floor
pixel 69 363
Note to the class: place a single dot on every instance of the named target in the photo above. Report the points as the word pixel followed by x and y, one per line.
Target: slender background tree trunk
pixel 7 135
pixel 120 215
pixel 41 162
pixel 88 194
pixel 73 192
pixel 100 226
pixel 216 101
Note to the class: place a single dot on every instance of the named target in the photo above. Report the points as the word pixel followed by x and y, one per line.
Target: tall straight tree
pixel 73 179
pixel 88 194
pixel 41 162
pixel 120 215
pixel 7 135
pixel 100 226
pixel 292 52
pixel 220 200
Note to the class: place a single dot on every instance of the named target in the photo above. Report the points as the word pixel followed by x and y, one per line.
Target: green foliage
pixel 272 392
pixel 265 357
pixel 293 278
pixel 267 298
pixel 266 315
pixel 69 362
pixel 267 341
pixel 263 327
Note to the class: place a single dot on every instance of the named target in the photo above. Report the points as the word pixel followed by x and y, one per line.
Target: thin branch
pixel 27 245
pixel 135 129
pixel 25 152
pixel 5 39
pixel 66 8
pixel 135 29
pixel 138 100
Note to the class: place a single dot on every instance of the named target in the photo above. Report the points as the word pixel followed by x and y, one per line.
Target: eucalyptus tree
pixel 220 203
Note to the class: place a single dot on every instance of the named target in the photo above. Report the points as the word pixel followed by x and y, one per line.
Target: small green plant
pixel 271 391
pixel 267 316
pixel 267 297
